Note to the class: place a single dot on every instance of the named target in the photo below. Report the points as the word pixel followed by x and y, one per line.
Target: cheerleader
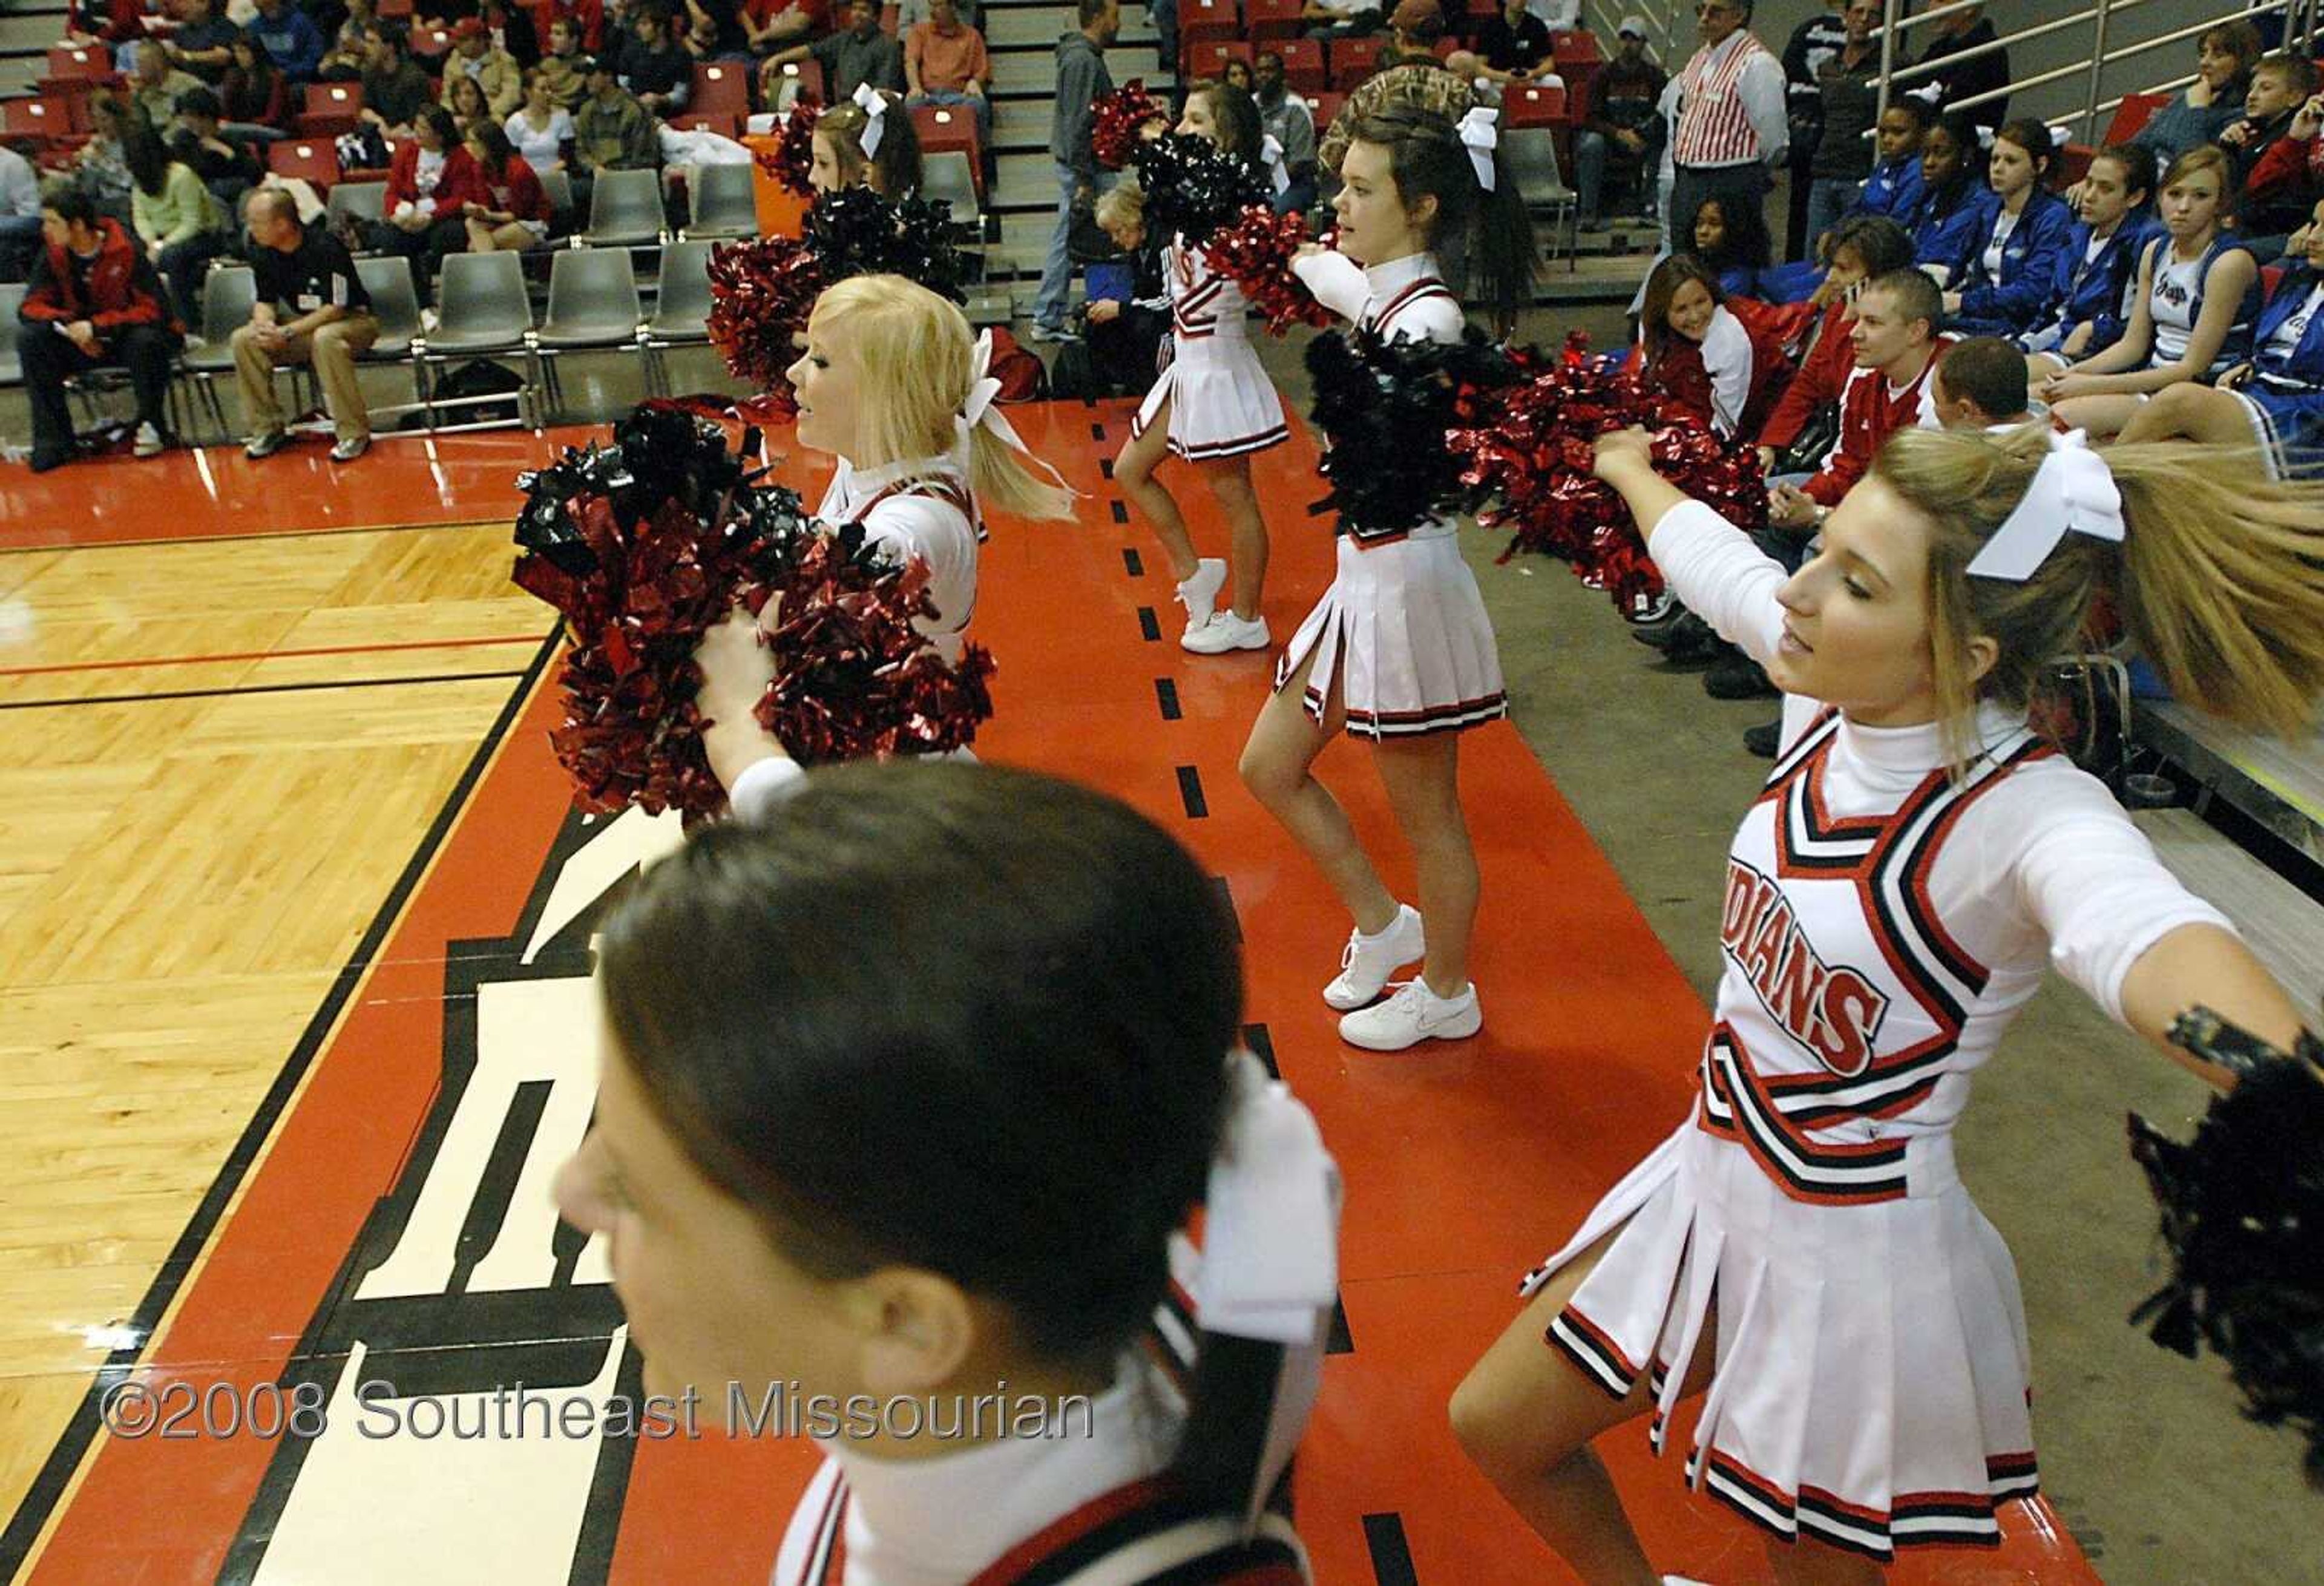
pixel 859 142
pixel 918 1184
pixel 2277 399
pixel 892 386
pixel 2192 312
pixel 1692 349
pixel 1212 407
pixel 1801 1245
pixel 1399 650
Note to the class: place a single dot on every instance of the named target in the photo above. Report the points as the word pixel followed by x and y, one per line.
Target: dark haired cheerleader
pixel 1399 650
pixel 855 1147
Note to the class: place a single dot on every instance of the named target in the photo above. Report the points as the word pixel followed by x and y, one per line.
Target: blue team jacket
pixel 2306 363
pixel 2015 297
pixel 2090 291
pixel 1893 189
pixel 1949 237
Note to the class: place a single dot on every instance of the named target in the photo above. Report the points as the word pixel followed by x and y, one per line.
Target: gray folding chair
pixel 12 362
pixel 358 200
pixel 396 305
pixel 681 308
pixel 722 202
pixel 592 302
pixel 624 208
pixel 946 175
pixel 229 293
pixel 1531 154
pixel 480 307
pixel 556 187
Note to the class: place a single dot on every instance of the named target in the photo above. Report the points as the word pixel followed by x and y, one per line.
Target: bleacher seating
pixel 1352 59
pixel 311 160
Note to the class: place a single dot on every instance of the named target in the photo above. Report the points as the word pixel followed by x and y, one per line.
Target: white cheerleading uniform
pixel 1221 402
pixel 1403 623
pixel 1883 923
pixel 918 508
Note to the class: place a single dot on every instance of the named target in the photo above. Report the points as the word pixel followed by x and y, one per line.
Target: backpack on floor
pixel 1023 377
pixel 479 377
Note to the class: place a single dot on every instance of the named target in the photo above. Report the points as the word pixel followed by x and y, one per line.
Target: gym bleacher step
pixel 2279 783
pixel 2282 926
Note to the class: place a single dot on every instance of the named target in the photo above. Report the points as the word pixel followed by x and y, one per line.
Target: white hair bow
pixel 980 409
pixel 1270 154
pixel 1481 136
pixel 874 105
pixel 2073 492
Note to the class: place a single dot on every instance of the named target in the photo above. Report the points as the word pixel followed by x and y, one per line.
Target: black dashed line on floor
pixel 1391 1554
pixel 1149 626
pixel 1166 694
pixel 1261 1044
pixel 1105 466
pixel 1133 562
pixel 1097 432
pixel 1121 510
pixel 1190 793
pixel 1338 1341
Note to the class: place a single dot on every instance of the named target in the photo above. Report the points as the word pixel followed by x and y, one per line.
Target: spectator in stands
pixel 1514 44
pixel 1693 351
pixel 467 101
pixel 1893 188
pixel 772 24
pixel 2277 205
pixel 1950 224
pixel 1415 26
pixel 313 308
pixel 396 87
pixel 1428 88
pixel 1730 239
pixel 587 17
pixel 1861 248
pixel 2277 398
pixel 1342 19
pixel 541 127
pixel 654 67
pixel 844 150
pixel 291 38
pixel 254 98
pixel 1981 385
pixel 2199 112
pixel 563 69
pixel 1895 343
pixel 1621 122
pixel 512 29
pixel 100 169
pixel 512 214
pixel 155 89
pixel 2011 283
pixel 20 215
pixel 493 69
pixel 611 131
pixel 1848 102
pixel 2101 256
pixel 1732 129
pixel 946 63
pixel 200 43
pixel 94 301
pixel 180 222
pixel 1806 55
pixel 106 22
pixel 858 54
pixel 1284 116
pixel 2191 313
pixel 227 166
pixel 428 188
pixel 350 48
pixel 1960 32
pixel 713 29
pixel 1125 334
pixel 1082 80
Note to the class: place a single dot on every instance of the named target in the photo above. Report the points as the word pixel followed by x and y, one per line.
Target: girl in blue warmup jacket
pixel 1893 188
pixel 1950 222
pixel 2092 301
pixel 2013 276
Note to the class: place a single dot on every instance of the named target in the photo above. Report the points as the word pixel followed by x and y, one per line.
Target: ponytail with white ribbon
pixel 1481 136
pixel 1271 1265
pixel 1270 155
pixel 2073 492
pixel 979 409
pixel 874 105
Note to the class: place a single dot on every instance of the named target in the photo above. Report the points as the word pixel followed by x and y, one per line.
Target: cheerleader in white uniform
pixel 894 386
pixel 1801 1245
pixel 1399 651
pixel 918 1183
pixel 1212 407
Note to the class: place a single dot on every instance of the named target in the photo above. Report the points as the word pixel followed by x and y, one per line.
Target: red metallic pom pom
pixel 793 155
pixel 1117 119
pixel 761 292
pixel 1255 253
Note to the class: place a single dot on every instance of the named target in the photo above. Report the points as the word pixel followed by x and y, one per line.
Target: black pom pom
pixel 1385 407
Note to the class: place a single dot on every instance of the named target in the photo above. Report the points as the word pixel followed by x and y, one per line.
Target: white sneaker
pixel 1366 962
pixel 1683 1580
pixel 148 443
pixel 1200 593
pixel 1414 1015
pixel 1226 632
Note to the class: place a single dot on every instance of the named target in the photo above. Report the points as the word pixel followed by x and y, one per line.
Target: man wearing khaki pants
pixel 309 276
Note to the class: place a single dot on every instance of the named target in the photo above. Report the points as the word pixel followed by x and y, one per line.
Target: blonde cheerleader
pixel 1801 1247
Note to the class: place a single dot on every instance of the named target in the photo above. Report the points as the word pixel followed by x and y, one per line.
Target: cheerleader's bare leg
pixel 1275 766
pixel 1422 779
pixel 1230 482
pixel 1526 1415
pixel 1812 1564
pixel 2191 412
pixel 2102 416
pixel 1133 470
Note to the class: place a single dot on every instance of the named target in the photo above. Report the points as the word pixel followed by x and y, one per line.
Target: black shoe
pixel 1762 740
pixel 1694 644
pixel 41 462
pixel 1651 610
pixel 1736 677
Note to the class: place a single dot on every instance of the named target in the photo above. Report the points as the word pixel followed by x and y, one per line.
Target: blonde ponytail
pixel 998 474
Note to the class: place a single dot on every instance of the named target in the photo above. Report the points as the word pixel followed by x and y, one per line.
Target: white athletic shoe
pixel 1366 962
pixel 1225 631
pixel 149 442
pixel 1200 593
pixel 1683 1580
pixel 1414 1015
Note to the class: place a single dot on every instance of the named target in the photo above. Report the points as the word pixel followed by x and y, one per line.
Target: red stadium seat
pixel 1207 19
pixel 331 109
pixel 1302 64
pixel 1352 60
pixel 1208 59
pixel 2135 111
pixel 721 88
pixel 45 120
pixel 314 159
pixel 430 43
pixel 1271 19
pixel 810 74
pixel 1323 108
pixel 942 127
pixel 1533 104
pixel 69 61
pixel 724 122
pixel 402 10
pixel 1581 44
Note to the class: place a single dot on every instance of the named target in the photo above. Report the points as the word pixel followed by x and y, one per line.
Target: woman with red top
pixel 104 21
pixel 513 214
pixel 429 186
pixel 1694 350
pixel 253 91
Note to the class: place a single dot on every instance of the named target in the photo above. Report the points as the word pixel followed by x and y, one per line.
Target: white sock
pixel 1382 934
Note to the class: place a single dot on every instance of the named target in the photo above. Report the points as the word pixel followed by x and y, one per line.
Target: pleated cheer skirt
pixel 1221 402
pixel 1407 629
pixel 2289 426
pixel 1871 1391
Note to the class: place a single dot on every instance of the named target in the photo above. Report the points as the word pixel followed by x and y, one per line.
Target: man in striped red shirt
pixel 1732 130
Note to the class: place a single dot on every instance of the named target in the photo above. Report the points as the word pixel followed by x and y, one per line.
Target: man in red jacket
pixel 1896 344
pixel 94 300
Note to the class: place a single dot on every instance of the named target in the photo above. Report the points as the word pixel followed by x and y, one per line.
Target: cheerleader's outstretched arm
pixel 748 762
pixel 1337 282
pixel 1708 562
pixel 2205 966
